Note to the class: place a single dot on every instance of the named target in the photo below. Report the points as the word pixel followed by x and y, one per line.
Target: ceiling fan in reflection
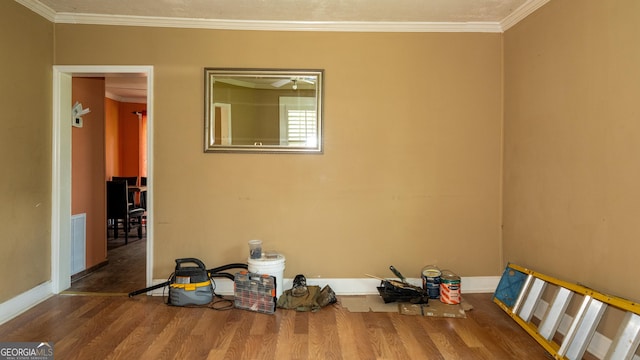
pixel 294 81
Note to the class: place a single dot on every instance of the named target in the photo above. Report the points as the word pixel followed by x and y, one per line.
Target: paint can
pixel 450 288
pixel 431 281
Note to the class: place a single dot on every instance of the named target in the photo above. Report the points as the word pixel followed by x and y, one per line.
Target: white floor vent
pixel 78 242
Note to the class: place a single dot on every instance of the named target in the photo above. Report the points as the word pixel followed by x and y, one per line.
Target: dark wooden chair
pixel 131 180
pixel 143 195
pixel 119 210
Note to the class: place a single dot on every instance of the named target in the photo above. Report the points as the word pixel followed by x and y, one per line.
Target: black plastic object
pixel 216 272
pixel 391 293
pixel 194 274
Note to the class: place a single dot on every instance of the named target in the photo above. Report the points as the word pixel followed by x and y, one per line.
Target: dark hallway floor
pixel 125 272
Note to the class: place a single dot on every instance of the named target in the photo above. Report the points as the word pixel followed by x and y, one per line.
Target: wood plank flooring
pixel 125 272
pixel 100 325
pixel 117 327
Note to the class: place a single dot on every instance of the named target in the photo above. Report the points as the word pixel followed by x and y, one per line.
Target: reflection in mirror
pixel 263 110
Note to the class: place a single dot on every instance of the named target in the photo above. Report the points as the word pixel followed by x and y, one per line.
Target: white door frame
pixel 225 123
pixel 61 167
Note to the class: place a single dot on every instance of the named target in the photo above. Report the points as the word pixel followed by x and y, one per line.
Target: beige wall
pixel 26 57
pixel 411 173
pixel 572 143
pixel 412 165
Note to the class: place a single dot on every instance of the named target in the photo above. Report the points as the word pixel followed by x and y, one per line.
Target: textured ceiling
pixel 299 10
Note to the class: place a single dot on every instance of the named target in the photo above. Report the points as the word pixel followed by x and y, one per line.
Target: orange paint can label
pixel 450 288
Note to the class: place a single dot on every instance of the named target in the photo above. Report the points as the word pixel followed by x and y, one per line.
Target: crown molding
pixel 39 8
pixel 116 97
pixel 522 12
pixel 265 25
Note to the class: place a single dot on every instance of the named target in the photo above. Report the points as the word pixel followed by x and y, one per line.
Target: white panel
pixel 521 296
pixel 61 182
pixel 551 320
pixel 585 328
pixel 78 242
pixel 626 342
pixel 532 299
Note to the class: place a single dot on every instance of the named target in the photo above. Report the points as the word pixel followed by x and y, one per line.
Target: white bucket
pixel 269 264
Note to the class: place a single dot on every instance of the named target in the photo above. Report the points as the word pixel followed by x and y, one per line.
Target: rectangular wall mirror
pixel 263 110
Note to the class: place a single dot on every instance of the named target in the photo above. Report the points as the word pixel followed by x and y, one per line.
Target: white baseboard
pixel 25 301
pixel 358 286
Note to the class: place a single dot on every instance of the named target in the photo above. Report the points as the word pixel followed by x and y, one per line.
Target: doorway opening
pixel 61 232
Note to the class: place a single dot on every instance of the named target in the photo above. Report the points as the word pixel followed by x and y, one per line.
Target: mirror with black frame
pixel 263 110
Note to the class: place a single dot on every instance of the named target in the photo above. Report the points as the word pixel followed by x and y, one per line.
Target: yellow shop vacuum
pixel 191 285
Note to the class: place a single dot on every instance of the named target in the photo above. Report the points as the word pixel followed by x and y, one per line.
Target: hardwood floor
pixel 117 327
pixel 105 324
pixel 124 273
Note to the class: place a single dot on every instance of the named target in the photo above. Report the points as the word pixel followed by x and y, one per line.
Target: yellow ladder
pixel 519 294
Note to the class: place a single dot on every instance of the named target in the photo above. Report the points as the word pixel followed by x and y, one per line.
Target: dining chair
pixel 119 210
pixel 143 194
pixel 131 180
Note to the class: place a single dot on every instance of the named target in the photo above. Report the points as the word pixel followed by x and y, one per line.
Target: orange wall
pixel 112 139
pixel 129 133
pixel 142 148
pixel 88 166
pixel 125 139
pixel 107 145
